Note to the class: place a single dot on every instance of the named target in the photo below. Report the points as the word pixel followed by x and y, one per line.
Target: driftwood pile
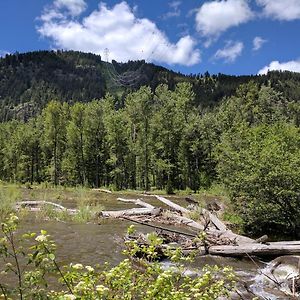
pixel 219 240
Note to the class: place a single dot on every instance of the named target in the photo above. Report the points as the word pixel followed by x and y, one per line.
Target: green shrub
pixel 261 168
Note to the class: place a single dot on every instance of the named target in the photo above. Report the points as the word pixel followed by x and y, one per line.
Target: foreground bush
pixel 261 168
pixel 131 279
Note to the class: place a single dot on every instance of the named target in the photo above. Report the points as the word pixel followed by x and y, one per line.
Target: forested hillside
pixel 29 81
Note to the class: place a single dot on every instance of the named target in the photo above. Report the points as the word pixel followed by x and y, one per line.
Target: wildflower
pixel 69 297
pixel 80 285
pixel 101 288
pixel 41 238
pixel 14 218
pixel 90 269
pixel 77 266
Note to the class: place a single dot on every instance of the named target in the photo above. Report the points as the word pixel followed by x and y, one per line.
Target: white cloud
pixel 3 53
pixel 230 52
pixel 293 66
pixel 258 43
pixel 284 10
pixel 119 30
pixel 74 7
pixel 175 10
pixel 215 17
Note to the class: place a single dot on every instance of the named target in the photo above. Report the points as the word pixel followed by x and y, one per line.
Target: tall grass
pixel 9 195
pixel 87 208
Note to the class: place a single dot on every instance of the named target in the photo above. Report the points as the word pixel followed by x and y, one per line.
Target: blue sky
pixel 226 36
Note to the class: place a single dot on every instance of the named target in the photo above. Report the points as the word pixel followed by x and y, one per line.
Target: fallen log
pixel 272 249
pixel 146 209
pixel 220 227
pixel 128 212
pixel 262 239
pixel 223 231
pixel 38 206
pixel 235 238
pixel 103 191
pixel 188 222
pixel 137 202
pixel 214 220
pixel 173 205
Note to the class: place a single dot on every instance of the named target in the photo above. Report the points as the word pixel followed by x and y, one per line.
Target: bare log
pixel 222 231
pixel 147 209
pixel 262 239
pixel 173 205
pixel 137 202
pixel 127 212
pixel 215 220
pixel 103 191
pixel 38 206
pixel 292 243
pixel 188 222
pixel 233 237
pixel 273 249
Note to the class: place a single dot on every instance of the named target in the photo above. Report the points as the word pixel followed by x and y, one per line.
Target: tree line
pixel 152 141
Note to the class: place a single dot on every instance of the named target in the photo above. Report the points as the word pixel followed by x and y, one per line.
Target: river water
pixel 92 244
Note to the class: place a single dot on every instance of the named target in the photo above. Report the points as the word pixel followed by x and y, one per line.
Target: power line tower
pixel 106 54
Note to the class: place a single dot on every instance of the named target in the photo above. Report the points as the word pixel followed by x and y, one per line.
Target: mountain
pixel 28 81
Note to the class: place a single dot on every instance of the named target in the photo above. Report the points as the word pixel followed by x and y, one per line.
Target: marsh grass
pixel 84 199
pixel 48 213
pixel 195 214
pixel 9 195
pixel 87 213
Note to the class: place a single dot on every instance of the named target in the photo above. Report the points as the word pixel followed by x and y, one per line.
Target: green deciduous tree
pixel 139 107
pixel 55 118
pixel 261 168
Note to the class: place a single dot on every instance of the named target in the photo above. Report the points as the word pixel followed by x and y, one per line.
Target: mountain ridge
pixel 28 81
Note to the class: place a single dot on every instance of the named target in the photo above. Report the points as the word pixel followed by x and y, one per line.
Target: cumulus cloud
pixel 215 17
pixel 230 52
pixel 258 43
pixel 175 10
pixel 284 10
pixel 74 7
pixel 293 66
pixel 120 31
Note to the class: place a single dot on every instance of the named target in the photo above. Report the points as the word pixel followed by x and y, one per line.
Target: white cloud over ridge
pixel 258 43
pixel 118 29
pixel 284 10
pixel 215 17
pixel 293 66
pixel 230 52
pixel 3 53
